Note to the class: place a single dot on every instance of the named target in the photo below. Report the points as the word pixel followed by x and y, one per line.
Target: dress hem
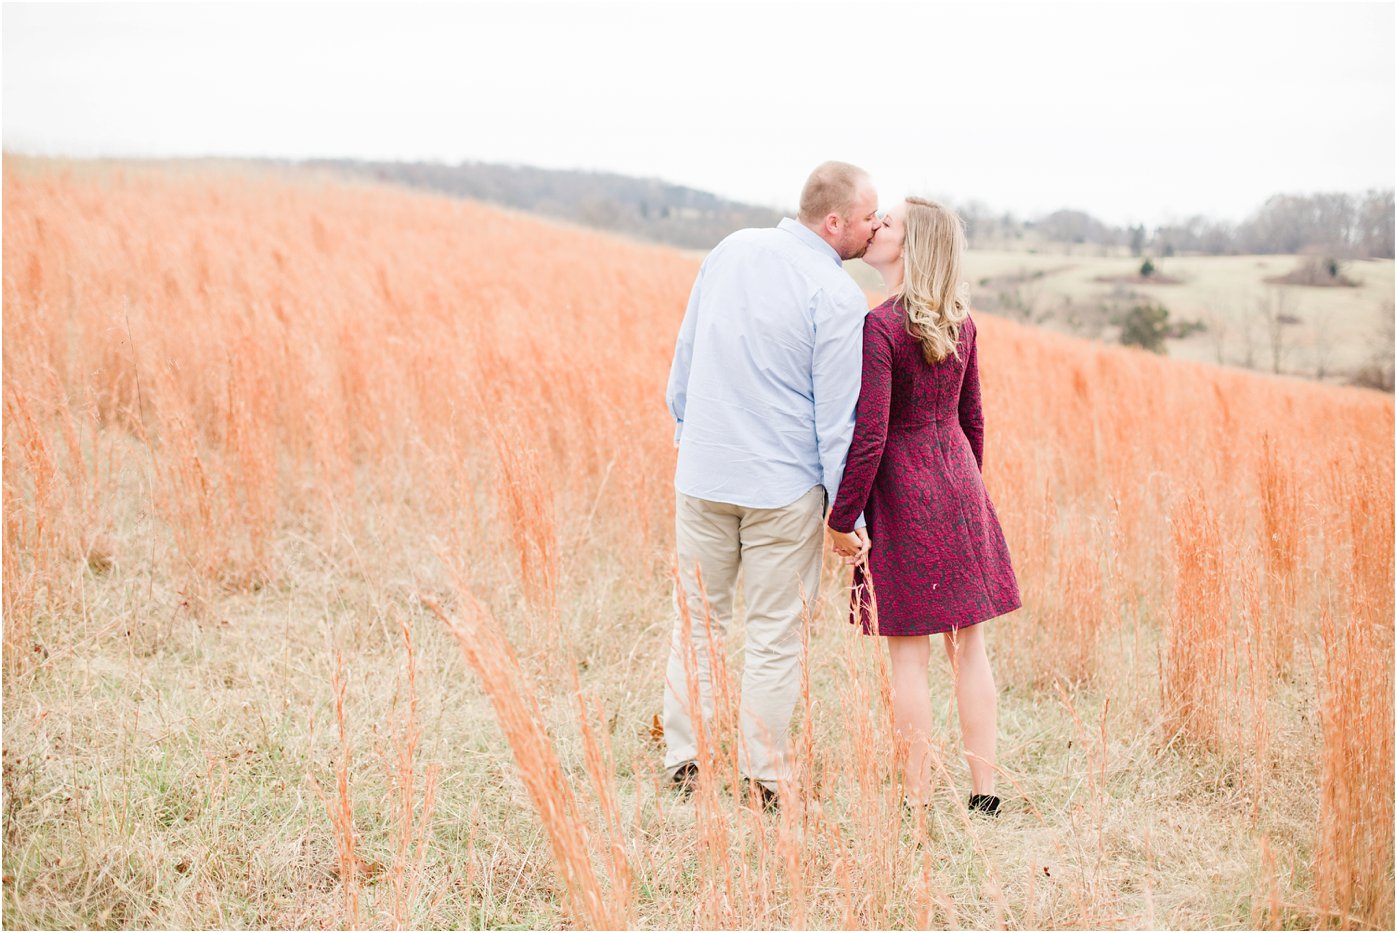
pixel 995 614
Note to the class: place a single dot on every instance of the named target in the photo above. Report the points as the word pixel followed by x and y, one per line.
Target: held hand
pixel 844 544
pixel 852 547
pixel 864 545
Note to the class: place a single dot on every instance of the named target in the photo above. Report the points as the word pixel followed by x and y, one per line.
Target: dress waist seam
pixel 923 425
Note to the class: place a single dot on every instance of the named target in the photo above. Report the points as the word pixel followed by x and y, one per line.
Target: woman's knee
pixel 909 650
pixel 964 642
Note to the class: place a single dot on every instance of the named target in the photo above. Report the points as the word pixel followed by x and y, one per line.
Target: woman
pixel 937 562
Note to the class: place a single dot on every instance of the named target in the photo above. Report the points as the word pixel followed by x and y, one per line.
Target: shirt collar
pixel 810 238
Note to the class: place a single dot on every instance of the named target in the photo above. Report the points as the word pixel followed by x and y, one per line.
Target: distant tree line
pixel 1344 226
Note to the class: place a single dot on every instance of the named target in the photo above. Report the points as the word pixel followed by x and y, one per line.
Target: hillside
pixel 337 562
pixel 1051 272
pixel 646 208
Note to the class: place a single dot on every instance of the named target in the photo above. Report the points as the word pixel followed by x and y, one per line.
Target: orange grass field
pixel 337 591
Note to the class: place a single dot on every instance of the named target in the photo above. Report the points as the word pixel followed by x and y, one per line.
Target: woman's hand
pixel 853 547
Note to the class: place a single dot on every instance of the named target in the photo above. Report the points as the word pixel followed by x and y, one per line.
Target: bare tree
pixel 1084 319
pixel 978 222
pixel 1219 324
pixel 1375 224
pixel 1321 352
pixel 1277 312
pixel 1248 323
pixel 1020 293
pixel 1377 372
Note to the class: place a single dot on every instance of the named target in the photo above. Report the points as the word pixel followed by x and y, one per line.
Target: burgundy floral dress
pixel 938 560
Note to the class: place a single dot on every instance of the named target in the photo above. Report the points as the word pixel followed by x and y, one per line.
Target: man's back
pixel 763 389
pixel 766 369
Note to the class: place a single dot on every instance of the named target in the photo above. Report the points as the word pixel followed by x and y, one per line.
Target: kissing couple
pixel 799 412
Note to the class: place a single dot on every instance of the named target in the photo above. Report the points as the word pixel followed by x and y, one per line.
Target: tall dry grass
pixel 1195 663
pixel 254 422
pixel 1354 855
pixel 516 707
pixel 1282 536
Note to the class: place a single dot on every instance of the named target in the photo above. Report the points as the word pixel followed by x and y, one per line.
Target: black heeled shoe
pixel 984 804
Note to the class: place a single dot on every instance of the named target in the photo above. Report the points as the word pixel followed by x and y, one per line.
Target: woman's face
pixel 886 248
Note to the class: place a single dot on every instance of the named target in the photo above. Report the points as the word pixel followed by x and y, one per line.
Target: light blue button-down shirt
pixel 766 370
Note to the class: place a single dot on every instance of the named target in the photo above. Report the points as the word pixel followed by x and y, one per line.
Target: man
pixel 763 388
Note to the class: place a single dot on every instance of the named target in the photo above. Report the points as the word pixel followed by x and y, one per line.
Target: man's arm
pixel 836 366
pixel 677 394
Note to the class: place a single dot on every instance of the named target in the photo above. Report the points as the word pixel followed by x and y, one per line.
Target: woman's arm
pixel 972 418
pixel 870 428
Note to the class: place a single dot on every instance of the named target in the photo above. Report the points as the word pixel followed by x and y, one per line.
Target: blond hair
pixel 933 296
pixel 830 189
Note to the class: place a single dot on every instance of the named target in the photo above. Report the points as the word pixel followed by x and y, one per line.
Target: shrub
pixel 1181 329
pixel 1320 271
pixel 1146 325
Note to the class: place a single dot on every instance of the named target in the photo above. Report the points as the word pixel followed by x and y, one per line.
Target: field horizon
pixel 337 588
pixel 1328 334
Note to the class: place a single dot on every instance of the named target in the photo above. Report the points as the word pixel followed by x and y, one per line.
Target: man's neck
pixel 819 233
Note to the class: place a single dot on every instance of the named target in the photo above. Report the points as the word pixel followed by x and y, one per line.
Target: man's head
pixel 840 204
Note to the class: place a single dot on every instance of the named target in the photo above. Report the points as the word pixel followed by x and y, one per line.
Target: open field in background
pixel 1335 333
pixel 337 591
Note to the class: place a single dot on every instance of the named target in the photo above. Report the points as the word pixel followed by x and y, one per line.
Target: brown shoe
pixel 756 791
pixel 684 778
pixel 911 809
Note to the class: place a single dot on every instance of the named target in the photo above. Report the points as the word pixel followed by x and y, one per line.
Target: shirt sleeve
pixel 870 429
pixel 972 418
pixel 835 368
pixel 677 393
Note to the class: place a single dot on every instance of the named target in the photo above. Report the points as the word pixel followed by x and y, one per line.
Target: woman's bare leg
pixel 909 656
pixel 977 701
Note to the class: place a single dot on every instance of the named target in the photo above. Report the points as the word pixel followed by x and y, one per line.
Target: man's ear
pixel 832 222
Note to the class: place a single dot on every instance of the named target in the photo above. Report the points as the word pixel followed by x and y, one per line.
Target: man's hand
pixel 864 545
pixel 852 547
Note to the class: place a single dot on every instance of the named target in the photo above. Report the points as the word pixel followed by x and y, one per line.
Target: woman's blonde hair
pixel 933 296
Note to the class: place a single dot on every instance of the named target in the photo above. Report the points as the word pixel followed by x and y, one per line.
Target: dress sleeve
pixel 870 428
pixel 972 418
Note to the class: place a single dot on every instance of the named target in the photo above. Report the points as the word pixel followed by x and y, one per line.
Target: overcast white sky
pixel 1132 111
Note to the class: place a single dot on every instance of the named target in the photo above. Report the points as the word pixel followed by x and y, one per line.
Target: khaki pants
pixel 778 553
